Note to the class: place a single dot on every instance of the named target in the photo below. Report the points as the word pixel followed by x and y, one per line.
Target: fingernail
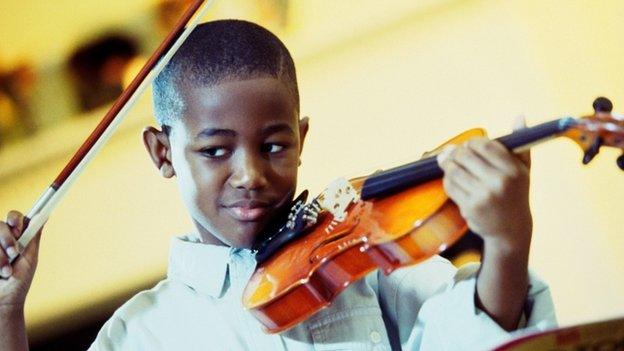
pixel 6 271
pixel 444 154
pixel 12 252
pixel 520 122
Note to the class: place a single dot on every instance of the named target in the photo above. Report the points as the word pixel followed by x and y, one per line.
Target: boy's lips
pixel 248 210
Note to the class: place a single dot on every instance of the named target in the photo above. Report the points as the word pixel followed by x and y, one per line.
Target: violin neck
pixel 526 138
pixel 390 181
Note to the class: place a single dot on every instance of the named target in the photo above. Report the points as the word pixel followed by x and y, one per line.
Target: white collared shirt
pixel 429 306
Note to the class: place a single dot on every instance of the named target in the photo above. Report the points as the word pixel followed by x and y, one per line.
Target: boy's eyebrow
pixel 275 128
pixel 208 132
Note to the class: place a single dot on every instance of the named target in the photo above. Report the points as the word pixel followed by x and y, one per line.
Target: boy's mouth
pixel 248 210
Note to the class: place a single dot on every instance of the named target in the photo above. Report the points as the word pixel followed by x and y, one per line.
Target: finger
pixel 15 220
pixel 458 189
pixel 5 238
pixel 519 122
pixel 525 157
pixel 7 241
pixel 496 154
pixel 444 155
pixel 477 166
pixel 463 176
pixel 454 191
pixel 5 267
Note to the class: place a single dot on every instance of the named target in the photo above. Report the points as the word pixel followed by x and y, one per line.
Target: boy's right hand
pixel 15 279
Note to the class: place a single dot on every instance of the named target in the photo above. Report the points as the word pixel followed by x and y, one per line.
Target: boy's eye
pixel 272 148
pixel 215 152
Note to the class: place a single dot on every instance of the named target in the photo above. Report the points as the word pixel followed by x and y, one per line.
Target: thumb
pixel 525 157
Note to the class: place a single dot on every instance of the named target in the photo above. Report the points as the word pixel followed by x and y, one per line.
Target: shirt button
pixel 375 337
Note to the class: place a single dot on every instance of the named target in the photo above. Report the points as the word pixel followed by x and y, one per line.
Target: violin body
pixel 388 233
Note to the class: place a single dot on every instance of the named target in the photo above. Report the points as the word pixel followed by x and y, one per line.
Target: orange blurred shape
pixel 132 68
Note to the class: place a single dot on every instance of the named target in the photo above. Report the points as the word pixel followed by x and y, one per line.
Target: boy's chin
pixel 242 243
pixel 246 237
pixel 230 234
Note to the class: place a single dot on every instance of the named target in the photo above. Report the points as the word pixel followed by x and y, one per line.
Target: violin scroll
pixel 602 104
pixel 620 161
pixel 602 128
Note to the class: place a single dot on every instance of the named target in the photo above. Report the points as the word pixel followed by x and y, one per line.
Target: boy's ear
pixel 157 144
pixel 303 131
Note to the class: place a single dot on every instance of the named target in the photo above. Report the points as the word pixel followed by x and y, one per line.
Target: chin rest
pixel 291 230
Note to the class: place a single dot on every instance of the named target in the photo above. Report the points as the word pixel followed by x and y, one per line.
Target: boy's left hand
pixel 490 185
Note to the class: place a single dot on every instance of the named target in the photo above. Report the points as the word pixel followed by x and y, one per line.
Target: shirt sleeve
pixel 433 308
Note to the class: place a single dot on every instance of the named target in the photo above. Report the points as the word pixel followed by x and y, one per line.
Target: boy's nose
pixel 248 174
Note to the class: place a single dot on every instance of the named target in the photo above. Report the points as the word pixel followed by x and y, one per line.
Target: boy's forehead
pixel 236 101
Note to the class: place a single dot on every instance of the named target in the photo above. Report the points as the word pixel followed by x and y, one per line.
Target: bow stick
pixel 40 212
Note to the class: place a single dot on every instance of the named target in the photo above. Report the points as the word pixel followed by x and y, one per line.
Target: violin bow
pixel 40 212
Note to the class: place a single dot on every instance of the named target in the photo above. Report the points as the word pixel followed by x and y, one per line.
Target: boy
pixel 228 106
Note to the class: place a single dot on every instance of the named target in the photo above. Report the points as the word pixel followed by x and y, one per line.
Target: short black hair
pixel 219 51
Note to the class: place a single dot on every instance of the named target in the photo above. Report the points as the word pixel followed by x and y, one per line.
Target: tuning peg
pixel 602 104
pixel 620 162
pixel 592 151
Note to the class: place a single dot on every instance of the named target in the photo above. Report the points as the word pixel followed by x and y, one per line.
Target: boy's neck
pixel 206 237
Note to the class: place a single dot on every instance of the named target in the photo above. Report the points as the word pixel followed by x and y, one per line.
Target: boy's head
pixel 228 105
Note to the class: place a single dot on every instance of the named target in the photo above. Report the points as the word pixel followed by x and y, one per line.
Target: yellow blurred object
pixel 132 69
pixel 8 113
pixel 465 257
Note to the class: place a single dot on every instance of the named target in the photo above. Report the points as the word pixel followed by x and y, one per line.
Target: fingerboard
pixel 390 181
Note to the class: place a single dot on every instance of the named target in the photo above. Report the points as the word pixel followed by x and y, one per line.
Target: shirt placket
pixel 243 266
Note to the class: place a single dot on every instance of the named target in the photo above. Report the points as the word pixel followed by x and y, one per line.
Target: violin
pixel 390 219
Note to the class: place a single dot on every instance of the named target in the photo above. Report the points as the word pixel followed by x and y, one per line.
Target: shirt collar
pixel 205 267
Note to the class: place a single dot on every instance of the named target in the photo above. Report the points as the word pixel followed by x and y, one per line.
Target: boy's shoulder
pixel 146 301
pixel 166 298
pixel 132 315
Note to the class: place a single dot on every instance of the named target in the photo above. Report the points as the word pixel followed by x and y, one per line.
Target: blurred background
pixel 381 81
